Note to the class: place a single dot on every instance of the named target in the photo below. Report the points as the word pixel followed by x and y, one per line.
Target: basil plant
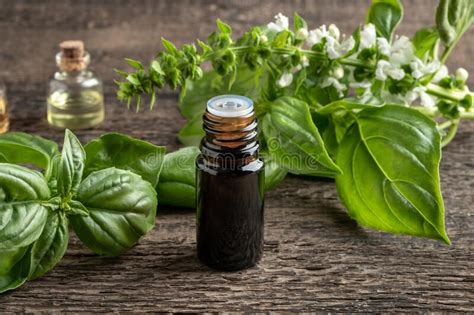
pixel 106 197
pixel 371 110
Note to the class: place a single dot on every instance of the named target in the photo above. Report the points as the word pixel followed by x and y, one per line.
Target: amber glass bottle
pixel 230 186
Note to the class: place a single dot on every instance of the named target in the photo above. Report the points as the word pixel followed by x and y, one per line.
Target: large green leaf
pixel 22 215
pixel 274 173
pixel 192 133
pixel 17 265
pixel 122 208
pixel 14 267
pixel 124 152
pixel 385 15
pixel 50 247
pixel 194 96
pixel 177 186
pixel 390 159
pixel 343 105
pixel 71 165
pixel 453 18
pixel 294 141
pixel 426 42
pixel 18 147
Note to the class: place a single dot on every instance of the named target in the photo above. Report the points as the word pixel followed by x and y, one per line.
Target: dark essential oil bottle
pixel 230 186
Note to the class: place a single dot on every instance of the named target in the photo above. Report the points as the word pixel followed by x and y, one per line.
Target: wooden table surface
pixel 315 257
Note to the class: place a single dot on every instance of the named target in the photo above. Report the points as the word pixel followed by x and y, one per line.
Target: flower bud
pixel 338 72
pixel 285 80
pixel 462 75
pixel 263 39
pixel 302 34
pixel 304 61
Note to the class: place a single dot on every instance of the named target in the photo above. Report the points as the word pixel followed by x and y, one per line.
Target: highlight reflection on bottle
pixel 4 119
pixel 230 186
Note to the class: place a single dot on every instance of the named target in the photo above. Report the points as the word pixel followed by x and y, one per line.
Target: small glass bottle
pixel 230 186
pixel 4 119
pixel 75 97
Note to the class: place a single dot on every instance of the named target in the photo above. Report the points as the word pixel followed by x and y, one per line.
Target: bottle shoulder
pixel 85 79
pixel 254 166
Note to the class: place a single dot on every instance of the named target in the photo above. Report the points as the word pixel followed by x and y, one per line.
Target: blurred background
pixel 30 31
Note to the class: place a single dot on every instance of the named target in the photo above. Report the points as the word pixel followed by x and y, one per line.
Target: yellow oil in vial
pixel 81 110
pixel 4 120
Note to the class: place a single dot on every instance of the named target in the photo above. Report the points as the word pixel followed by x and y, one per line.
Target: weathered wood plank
pixel 315 257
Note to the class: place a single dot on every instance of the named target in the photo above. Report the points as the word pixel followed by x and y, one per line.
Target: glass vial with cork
pixel 4 119
pixel 230 186
pixel 75 97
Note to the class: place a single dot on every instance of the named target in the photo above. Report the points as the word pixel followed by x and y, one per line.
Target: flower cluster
pixel 327 64
pixel 397 74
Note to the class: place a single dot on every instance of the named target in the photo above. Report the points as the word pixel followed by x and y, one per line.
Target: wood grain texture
pixel 315 257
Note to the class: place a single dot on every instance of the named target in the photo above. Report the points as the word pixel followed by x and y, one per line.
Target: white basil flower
pixel 361 85
pixel 383 46
pixel 302 34
pixel 330 81
pixel 315 36
pixel 401 51
pixel 386 69
pixel 420 92
pixel 285 80
pixel 334 32
pixel 420 69
pixel 441 74
pixel 335 49
pixel 281 23
pixel 367 36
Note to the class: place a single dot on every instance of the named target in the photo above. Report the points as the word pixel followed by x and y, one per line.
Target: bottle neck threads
pixel 229 142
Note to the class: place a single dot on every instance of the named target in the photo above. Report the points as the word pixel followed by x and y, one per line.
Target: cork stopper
pixel 72 56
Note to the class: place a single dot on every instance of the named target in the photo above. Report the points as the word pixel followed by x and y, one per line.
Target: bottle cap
pixel 230 105
pixel 72 57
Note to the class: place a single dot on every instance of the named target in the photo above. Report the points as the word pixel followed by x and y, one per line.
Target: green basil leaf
pixel 77 208
pixel 122 208
pixel 453 18
pixel 274 174
pixel 177 186
pixel 192 133
pixel 194 97
pixel 426 42
pixel 22 148
pixel 14 268
pixel 317 95
pixel 224 27
pixel 294 141
pixel 298 22
pixel 340 105
pixel 53 174
pixel 385 15
pixel 50 247
pixel 124 152
pixel 390 182
pixel 71 165
pixel 22 215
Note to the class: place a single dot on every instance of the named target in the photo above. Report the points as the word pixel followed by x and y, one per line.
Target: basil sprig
pixel 105 191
